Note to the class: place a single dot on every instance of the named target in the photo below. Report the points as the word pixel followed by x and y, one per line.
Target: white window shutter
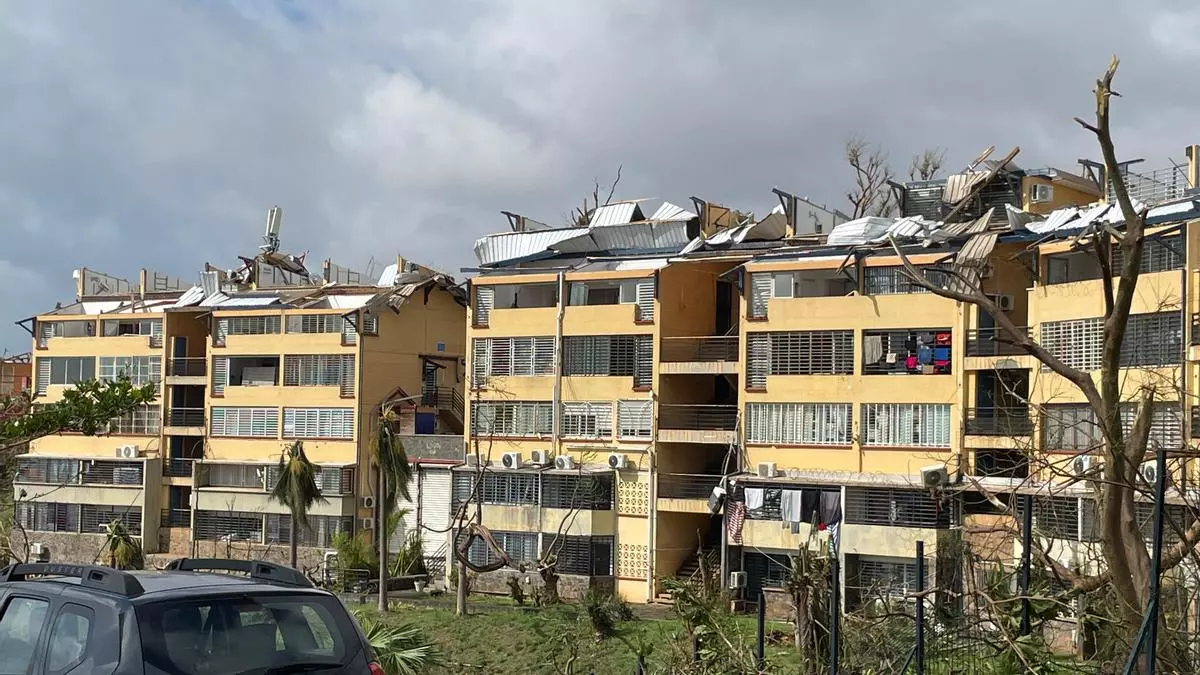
pixel 222 332
pixel 349 332
pixel 645 299
pixel 43 375
pixel 758 360
pixel 484 301
pixel 220 374
pixel 762 286
pixel 481 360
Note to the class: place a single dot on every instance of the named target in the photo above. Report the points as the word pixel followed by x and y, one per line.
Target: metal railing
pixel 111 473
pixel 178 467
pixel 1153 186
pixel 999 421
pixel 443 398
pixel 185 417
pixel 456 402
pixel 700 349
pixel 686 485
pixel 176 518
pixel 993 342
pixel 191 366
pixel 688 416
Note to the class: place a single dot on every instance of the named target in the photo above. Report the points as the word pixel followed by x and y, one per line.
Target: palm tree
pixel 297 489
pixel 401 649
pixel 123 551
pixel 394 475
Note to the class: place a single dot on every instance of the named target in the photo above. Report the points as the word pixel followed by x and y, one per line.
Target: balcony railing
pixel 443 398
pixel 993 342
pixel 176 518
pixel 1153 186
pixel 700 349
pixel 687 416
pixel 191 366
pixel 79 472
pixel 686 486
pixel 185 417
pixel 999 422
pixel 178 467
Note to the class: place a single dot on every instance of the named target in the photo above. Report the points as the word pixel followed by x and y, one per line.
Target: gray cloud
pixel 152 133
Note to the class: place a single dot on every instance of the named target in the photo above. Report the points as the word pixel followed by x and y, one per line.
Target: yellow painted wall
pixel 1064 195
pixel 78 445
pixel 258 501
pixel 535 519
pixel 270 449
pixel 191 325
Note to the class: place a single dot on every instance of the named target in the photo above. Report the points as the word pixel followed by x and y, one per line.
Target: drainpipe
pixel 556 396
pixel 1186 330
pixel 652 507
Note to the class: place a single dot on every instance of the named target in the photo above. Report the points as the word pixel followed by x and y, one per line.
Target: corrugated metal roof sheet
pixel 669 211
pixel 350 301
pixel 191 296
pixel 495 248
pixel 645 236
pixel 388 278
pixel 615 214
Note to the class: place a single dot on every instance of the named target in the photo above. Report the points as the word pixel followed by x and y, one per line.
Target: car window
pixel 20 625
pixel 246 634
pixel 69 638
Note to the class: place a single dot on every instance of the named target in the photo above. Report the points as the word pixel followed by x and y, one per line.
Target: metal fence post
pixel 1026 557
pixel 760 654
pixel 920 646
pixel 834 618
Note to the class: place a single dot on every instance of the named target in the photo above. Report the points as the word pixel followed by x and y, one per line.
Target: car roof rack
pixel 90 576
pixel 257 569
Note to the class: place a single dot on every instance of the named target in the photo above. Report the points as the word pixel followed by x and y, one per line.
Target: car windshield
pixel 246 634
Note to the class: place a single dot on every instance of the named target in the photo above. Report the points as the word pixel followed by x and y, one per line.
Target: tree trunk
pixel 460 591
pixel 382 509
pixel 295 541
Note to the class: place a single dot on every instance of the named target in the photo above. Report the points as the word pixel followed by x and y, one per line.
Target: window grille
pixel 1159 254
pixel 370 324
pixel 925 425
pixel 239 475
pixel 120 327
pixel 893 280
pixel 94 518
pixel 228 526
pixel 512 418
pixel 349 332
pixel 643 362
pixel 925 351
pixel 581 555
pixel 244 421
pixel 318 423
pixel 592 492
pixel 799 423
pixel 53 329
pixel 765 570
pixel 893 578
pixel 897 507
pixel 43 470
pixel 513 356
pixel 141 370
pixel 1056 517
pixel 248 325
pixel 1074 426
pixel 112 473
pixel 635 419
pixel 1152 340
pixel 319 533
pixel 587 419
pixel 828 352
pixel 482 310
pixel 143 421
pixel 319 370
pixel 314 323
pixel 48 516
pixel 521 547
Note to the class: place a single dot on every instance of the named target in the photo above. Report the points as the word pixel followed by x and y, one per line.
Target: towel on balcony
pixel 872 349
pixel 791 505
pixel 735 516
pixel 754 498
pixel 831 508
pixel 808 505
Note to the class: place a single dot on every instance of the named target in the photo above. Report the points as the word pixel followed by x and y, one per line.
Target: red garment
pixel 735 516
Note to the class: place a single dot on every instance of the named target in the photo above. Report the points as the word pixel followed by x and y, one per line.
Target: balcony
pixel 176 518
pixel 1154 186
pixel 185 422
pixel 697 423
pixel 713 355
pixel 686 492
pixel 1196 329
pixel 79 472
pixel 443 398
pixel 187 370
pixel 178 467
pixel 999 422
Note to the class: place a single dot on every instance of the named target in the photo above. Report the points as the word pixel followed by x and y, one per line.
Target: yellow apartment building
pixel 243 368
pixel 788 368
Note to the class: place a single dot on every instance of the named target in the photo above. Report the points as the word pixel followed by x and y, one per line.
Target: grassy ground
pixel 498 638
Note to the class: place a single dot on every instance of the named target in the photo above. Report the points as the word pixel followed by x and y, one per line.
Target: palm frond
pixel 401 649
pixel 297 485
pixel 392 459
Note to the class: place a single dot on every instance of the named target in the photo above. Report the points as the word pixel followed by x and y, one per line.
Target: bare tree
pixel 1125 564
pixel 582 215
pixel 927 164
pixel 871 195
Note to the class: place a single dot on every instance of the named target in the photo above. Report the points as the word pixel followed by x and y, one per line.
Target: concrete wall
pixel 570 586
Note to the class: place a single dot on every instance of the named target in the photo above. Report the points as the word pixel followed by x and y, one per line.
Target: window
pixel 635 418
pixel 514 356
pixel 118 327
pixel 913 352
pixel 94 518
pixel 228 525
pixel 765 570
pixel 48 516
pixel 144 421
pixel 512 418
pixel 924 425
pixel 1058 270
pixel 314 323
pixel 245 325
pixel 829 352
pixel 798 423
pixel 249 422
pixel 266 633
pixel 893 578
pixel 141 370
pixel 20 626
pixel 1159 254
pixel 1074 426
pixel 762 288
pixel 69 638
pixel 611 356
pixel 318 423
pixel 520 296
pixel 521 547
pixel 319 533
pixel 587 419
pixel 64 370
pixel 592 492
pixel 897 507
pixel 581 555
pixel 1077 343
pixel 53 329
pixel 1150 340
pixel 41 470
pixel 1057 517
pixel 319 370
pixel 893 280
pixel 481 309
pixel 602 292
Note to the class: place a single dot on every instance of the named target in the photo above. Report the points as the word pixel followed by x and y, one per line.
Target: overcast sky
pixel 157 133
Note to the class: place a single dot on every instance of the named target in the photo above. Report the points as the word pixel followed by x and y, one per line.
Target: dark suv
pixel 187 620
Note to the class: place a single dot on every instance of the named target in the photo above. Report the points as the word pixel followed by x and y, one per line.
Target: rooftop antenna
pixel 271 236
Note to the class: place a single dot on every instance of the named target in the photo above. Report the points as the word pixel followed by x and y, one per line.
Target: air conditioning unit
pixel 540 457
pixel 472 461
pixel 1040 193
pixel 1148 471
pixel 564 462
pixel 1003 302
pixel 934 476
pixel 39 549
pixel 366 523
pixel 716 499
pixel 1083 464
pixel 737 580
pixel 618 461
pixel 766 469
pixel 127 452
pixel 368 502
pixel 511 460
